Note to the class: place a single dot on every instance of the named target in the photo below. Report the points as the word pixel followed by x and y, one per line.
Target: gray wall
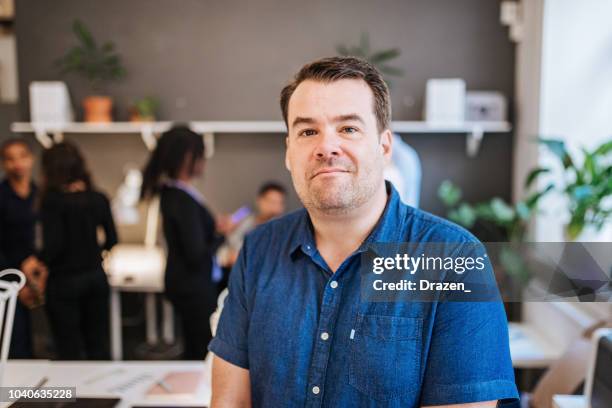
pixel 227 60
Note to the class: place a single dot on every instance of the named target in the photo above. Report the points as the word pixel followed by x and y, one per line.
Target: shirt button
pixel 316 390
pixel 333 284
pixel 324 335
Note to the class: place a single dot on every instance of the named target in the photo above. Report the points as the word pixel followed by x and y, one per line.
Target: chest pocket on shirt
pixel 385 359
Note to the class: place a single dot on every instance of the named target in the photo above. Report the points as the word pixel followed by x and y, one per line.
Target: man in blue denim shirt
pixel 294 330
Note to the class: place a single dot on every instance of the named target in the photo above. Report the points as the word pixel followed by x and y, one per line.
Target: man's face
pixel 271 204
pixel 17 161
pixel 335 153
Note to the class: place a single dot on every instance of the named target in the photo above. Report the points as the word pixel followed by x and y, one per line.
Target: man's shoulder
pixel 282 227
pixel 5 187
pixel 420 225
pixel 3 192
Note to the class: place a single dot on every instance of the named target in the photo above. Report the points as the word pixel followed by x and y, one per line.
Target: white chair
pixel 8 302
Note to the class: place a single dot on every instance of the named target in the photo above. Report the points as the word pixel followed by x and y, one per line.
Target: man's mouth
pixel 329 170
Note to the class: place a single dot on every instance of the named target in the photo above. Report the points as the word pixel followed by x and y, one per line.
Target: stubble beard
pixel 342 193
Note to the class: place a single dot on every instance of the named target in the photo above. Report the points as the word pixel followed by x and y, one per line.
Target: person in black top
pixel 190 232
pixel 72 214
pixel 17 237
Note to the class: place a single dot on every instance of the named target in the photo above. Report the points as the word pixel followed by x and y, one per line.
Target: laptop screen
pixel 601 394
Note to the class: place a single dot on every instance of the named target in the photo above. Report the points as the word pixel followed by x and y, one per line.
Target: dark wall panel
pixel 227 60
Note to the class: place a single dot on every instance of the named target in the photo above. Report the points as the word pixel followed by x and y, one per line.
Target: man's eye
pixel 349 129
pixel 307 132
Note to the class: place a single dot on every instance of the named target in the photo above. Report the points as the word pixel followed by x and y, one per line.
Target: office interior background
pixel 226 61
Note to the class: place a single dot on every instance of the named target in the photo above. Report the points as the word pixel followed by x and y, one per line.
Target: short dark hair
pixel 271 186
pixel 62 164
pixel 337 68
pixel 11 142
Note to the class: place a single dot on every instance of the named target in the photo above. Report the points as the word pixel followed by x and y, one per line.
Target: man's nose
pixel 328 145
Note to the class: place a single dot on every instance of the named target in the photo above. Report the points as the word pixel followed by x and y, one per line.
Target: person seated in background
pixel 18 218
pixel 190 230
pixel 72 214
pixel 269 204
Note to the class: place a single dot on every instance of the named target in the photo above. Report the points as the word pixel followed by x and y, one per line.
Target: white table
pixel 569 401
pixel 529 348
pixel 126 380
pixel 138 268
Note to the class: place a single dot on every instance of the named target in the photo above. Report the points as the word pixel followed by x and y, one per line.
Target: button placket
pixel 327 318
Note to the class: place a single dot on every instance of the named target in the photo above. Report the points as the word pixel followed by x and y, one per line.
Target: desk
pixel 126 380
pixel 137 268
pixel 569 401
pixel 529 348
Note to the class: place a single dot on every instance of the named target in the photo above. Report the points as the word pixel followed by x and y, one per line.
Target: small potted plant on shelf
pixel 144 109
pixel 99 64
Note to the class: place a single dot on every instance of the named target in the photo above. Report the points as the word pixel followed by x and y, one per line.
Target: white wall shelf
pixel 47 133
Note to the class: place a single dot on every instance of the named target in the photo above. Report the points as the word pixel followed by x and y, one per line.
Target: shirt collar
pixel 187 188
pixel 388 228
pixel 33 190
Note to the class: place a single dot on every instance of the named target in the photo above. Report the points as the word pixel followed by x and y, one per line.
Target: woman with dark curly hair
pixel 72 215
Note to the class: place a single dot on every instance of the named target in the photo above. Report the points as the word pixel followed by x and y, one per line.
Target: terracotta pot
pixel 136 117
pixel 98 109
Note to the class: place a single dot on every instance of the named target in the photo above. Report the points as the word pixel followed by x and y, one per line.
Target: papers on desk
pixel 176 384
pixel 128 381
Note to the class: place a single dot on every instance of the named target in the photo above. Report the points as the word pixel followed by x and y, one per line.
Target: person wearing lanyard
pixel 190 233
pixel 295 330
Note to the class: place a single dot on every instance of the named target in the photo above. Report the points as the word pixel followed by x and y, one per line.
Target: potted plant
pixel 144 109
pixel 586 184
pixel 380 59
pixel 99 64
pixel 496 220
pixel 504 224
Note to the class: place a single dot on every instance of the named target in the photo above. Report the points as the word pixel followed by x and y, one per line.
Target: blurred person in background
pixel 72 215
pixel 269 204
pixel 191 233
pixel 18 218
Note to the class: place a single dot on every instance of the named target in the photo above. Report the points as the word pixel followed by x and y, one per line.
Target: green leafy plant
pixel 98 64
pixel 504 223
pixel 586 183
pixel 510 220
pixel 380 59
pixel 146 107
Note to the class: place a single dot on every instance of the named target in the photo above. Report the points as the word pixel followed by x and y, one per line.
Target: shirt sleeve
pixel 52 230
pixel 108 224
pixel 469 354
pixel 185 215
pixel 231 340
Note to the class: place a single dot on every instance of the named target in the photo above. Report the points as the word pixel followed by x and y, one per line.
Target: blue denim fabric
pixel 295 325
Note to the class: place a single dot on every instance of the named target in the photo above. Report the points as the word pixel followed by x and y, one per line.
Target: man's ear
pixel 287 164
pixel 386 143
